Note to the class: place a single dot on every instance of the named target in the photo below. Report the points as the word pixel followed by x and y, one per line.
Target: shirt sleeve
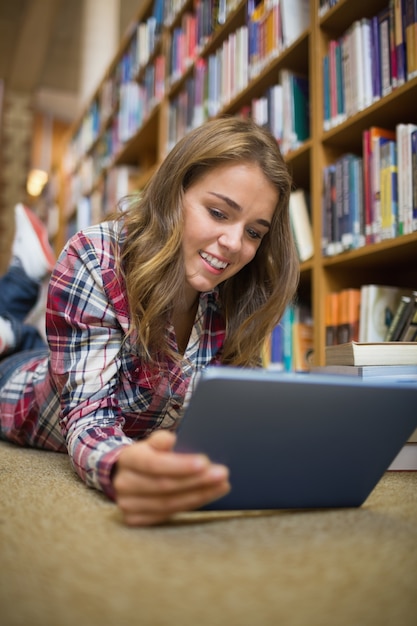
pixel 84 333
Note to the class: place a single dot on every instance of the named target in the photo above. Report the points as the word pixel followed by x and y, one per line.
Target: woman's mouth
pixel 213 261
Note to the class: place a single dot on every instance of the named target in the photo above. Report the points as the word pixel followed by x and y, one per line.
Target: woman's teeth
pixel 211 260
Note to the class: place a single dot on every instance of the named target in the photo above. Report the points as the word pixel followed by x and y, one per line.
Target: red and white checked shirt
pixel 94 395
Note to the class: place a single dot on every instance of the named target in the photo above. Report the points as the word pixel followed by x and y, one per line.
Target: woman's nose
pixel 231 238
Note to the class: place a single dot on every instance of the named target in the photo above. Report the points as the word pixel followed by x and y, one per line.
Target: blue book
pixel 376 58
pixel 277 347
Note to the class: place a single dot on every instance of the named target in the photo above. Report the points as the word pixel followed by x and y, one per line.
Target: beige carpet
pixel 66 559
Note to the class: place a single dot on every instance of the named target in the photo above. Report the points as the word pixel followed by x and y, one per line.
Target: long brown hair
pixel 252 301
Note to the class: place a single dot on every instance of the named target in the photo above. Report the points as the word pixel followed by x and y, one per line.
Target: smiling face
pixel 227 212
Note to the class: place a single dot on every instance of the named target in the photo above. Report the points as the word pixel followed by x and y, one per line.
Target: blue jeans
pixel 18 296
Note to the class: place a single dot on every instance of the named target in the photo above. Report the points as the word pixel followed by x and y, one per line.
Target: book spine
pixel 326 93
pixel 399 42
pixel 349 312
pixel 414 176
pixel 406 333
pixel 301 224
pixel 367 190
pixel 410 332
pixel 287 323
pixel 392 46
pixel 376 58
pixel 346 73
pixel 398 321
pixel 366 42
pixel 385 51
pixel 410 38
pixel 331 317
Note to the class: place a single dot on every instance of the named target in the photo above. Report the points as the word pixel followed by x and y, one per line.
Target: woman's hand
pixel 152 482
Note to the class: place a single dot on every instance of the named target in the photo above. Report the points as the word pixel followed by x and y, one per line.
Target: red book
pixel 369 139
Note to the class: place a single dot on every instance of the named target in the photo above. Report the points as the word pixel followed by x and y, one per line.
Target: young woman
pixel 195 272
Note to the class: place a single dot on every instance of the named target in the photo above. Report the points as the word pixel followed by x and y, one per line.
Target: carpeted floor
pixel 66 559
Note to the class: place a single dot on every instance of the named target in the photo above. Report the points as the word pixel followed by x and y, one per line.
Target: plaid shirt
pixel 93 395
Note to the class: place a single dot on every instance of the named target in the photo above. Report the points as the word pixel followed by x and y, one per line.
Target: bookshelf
pixel 165 96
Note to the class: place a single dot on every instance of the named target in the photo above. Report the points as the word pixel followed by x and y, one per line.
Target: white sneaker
pixel 7 339
pixel 31 245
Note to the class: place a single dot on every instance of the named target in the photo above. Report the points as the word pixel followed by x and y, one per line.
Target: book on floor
pixel 378 353
pixel 392 372
pixel 406 459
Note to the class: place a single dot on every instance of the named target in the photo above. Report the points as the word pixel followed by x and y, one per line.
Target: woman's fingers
pixel 143 511
pixel 152 482
pixel 154 457
pixel 140 482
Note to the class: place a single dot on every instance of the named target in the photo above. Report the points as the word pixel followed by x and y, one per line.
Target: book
pixel 400 320
pixel 373 353
pixel 410 331
pixel 406 459
pixel 276 360
pixel 349 313
pixel 301 224
pixel 378 306
pixel 376 58
pixel 405 177
pixel 399 38
pixel 384 18
pixel 392 372
pixel 295 16
pixel 410 38
pixel 389 191
pixel 371 173
pixel 414 178
pixel 287 322
pixel 331 305
pixel 303 342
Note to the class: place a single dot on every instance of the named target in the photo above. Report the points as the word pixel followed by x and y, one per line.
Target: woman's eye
pixel 218 215
pixel 253 234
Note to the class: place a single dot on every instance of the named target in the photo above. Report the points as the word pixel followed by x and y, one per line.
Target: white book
pixel 295 17
pixel 406 459
pixel 408 179
pixel 288 133
pixel 378 306
pixel 244 56
pixel 277 120
pixel 366 61
pixel 357 69
pixel 301 224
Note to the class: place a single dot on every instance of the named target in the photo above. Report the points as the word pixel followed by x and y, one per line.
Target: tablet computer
pixel 297 441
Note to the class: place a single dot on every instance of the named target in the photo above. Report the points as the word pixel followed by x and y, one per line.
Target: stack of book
pixel 379 354
pixel 387 360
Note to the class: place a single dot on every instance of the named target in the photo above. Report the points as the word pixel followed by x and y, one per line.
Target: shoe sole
pixel 42 236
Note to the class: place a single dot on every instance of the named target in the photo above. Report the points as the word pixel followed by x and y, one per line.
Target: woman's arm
pixel 84 319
